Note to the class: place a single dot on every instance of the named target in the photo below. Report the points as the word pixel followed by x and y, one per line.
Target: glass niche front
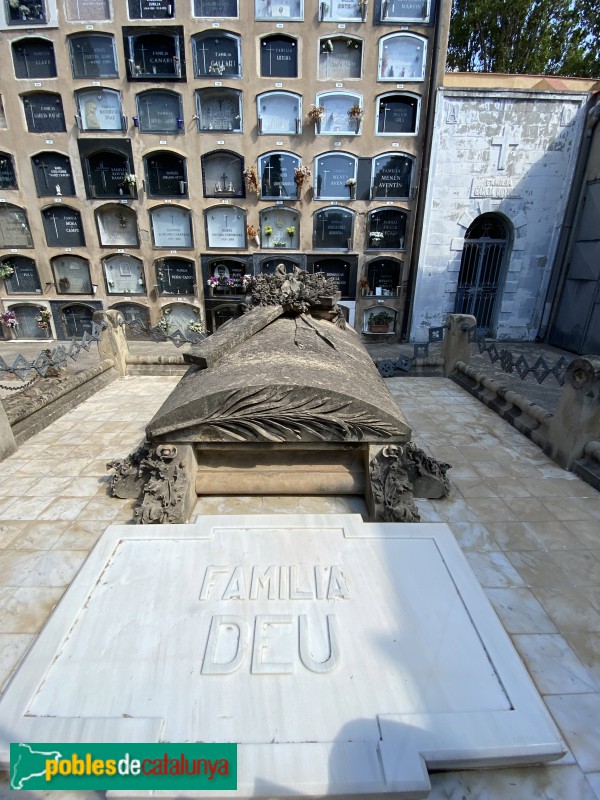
pixel 383 276
pixel 278 9
pixel 332 229
pixel 44 113
pixel 392 175
pixel 333 172
pixel 63 227
pixel 219 110
pixel 166 175
pixel 397 113
pixel 151 9
pixel 87 10
pixel 340 58
pixel 402 56
pixel 100 110
pixel 179 317
pixel 124 275
pixel 279 113
pixel 278 57
pixel 342 10
pixel 76 319
pixel 175 276
pixel 230 274
pixel 226 227
pixel 171 227
pixel 106 173
pixel 271 265
pixel 53 175
pixel 404 10
pixel 117 226
pixel 217 56
pixel 386 229
pixel 71 275
pixel 159 112
pixel 24 278
pixel 216 8
pixel 8 179
pixel 276 171
pixel 30 12
pixel 336 118
pixel 222 175
pixel 279 228
pixel 34 58
pixel 155 56
pixel 336 270
pixel 93 56
pixel 14 227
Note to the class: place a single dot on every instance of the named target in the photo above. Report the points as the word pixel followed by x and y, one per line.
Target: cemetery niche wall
pixel 44 113
pixel 159 111
pixel 117 226
pixel 175 276
pixel 166 175
pixel 99 110
pixel 219 109
pixel 279 113
pixel 53 175
pixel 63 227
pixel 272 390
pixel 24 278
pixel 71 275
pixel 34 58
pixel 93 55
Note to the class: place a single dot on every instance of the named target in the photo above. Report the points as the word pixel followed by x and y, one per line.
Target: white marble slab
pixel 343 657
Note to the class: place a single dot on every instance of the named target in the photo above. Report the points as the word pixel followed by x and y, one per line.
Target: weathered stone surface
pixel 209 351
pixel 299 379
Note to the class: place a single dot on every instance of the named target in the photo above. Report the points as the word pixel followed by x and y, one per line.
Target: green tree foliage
pixel 559 37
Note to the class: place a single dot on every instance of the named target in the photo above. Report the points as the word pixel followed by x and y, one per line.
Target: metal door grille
pixel 478 281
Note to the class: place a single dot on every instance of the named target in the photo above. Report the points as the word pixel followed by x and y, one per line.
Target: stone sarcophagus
pixel 284 400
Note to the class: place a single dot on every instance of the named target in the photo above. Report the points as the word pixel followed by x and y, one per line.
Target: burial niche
pixel 335 176
pixel 93 56
pixel 332 229
pixel 8 178
pixel 117 226
pixel 216 8
pixel 217 55
pixel 166 175
pixel 159 111
pixel 28 326
pixel 53 175
pixel 71 275
pixel 151 9
pixel 219 110
pixel 278 57
pixel 24 278
pixel 76 319
pixel 402 57
pixel 279 112
pixel 386 229
pixel 26 12
pixel 105 172
pixel 100 110
pixel 222 174
pixel 175 276
pixel 226 227
pixel 392 176
pixel 280 228
pixel 124 274
pixel 14 227
pixel 343 113
pixel 337 270
pixel 403 10
pixel 63 227
pixel 276 171
pixel 155 55
pixel 226 277
pixel 171 227
pixel 87 10
pixel 340 58
pixel 397 113
pixel 137 318
pixel 44 113
pixel 281 9
pixel 34 58
pixel 269 265
pixel 384 276
pixel 342 10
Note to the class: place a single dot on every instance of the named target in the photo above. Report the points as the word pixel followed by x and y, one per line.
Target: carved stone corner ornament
pixel 398 474
pixel 300 292
pixel 159 476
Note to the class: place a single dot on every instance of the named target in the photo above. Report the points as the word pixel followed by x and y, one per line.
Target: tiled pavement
pixel 530 531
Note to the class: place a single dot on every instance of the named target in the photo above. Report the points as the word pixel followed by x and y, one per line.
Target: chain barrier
pixel 50 359
pixel 510 363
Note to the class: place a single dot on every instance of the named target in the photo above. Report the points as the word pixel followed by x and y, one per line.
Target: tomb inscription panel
pixel 276 630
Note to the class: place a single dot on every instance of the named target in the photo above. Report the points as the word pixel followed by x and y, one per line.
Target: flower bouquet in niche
pixel 315 115
pixel 251 180
pixel 9 318
pixel 300 175
pixel 6 269
pixel 351 184
pixel 356 114
pixel 43 318
pixel 253 234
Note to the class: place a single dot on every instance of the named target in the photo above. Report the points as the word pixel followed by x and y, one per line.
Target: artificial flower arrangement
pixel 316 113
pixel 6 269
pixel 301 174
pixel 196 327
pixel 351 182
pixel 129 180
pixel 291 231
pixel 251 179
pixel 355 111
pixel 9 318
pixel 268 230
pixel 43 318
pixel 327 46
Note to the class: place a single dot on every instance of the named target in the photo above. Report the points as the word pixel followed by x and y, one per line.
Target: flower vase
pixel 357 122
pixel 352 192
pixel 211 291
pixel 257 240
pixel 317 126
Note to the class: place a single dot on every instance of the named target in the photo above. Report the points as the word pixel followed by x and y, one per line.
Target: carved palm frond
pixel 285 414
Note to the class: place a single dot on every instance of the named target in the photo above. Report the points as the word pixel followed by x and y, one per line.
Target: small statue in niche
pixel 58 191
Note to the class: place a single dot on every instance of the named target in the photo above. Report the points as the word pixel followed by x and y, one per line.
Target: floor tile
pixel 569 608
pixel 520 611
pixel 552 664
pixel 577 716
pixel 537 568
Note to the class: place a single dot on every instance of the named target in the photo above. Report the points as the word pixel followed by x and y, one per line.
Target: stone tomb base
pixel 345 658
